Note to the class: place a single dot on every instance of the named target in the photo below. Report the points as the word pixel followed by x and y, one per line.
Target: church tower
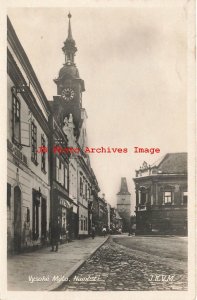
pixel 124 204
pixel 69 86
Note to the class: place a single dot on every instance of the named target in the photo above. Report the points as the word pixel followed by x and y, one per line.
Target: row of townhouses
pixel 45 184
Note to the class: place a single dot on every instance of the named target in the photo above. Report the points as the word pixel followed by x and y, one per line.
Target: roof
pixel 171 163
pixel 24 61
pixel 123 187
pixel 175 163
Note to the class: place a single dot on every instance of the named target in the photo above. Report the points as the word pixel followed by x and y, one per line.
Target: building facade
pixel 61 204
pixel 124 204
pixel 161 196
pixel 28 186
pixel 48 185
pixel 103 213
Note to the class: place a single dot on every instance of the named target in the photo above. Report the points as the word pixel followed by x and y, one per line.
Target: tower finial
pixel 69 27
pixel 69 48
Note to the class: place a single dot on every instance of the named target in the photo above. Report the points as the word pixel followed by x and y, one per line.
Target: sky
pixel 133 62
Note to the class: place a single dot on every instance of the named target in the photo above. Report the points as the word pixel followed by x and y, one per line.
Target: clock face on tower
pixel 68 94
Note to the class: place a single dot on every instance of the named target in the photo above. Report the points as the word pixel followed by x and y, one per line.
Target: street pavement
pixel 115 267
pixel 43 270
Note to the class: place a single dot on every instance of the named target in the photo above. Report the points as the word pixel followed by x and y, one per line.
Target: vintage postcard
pixel 99 165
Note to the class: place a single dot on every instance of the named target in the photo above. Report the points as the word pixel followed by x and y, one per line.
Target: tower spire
pixel 123 187
pixel 69 48
pixel 69 27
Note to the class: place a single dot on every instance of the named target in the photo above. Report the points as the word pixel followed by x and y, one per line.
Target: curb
pixel 57 285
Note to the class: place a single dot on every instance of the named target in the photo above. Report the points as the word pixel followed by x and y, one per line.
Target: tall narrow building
pixel 124 204
pixel 73 202
pixel 70 87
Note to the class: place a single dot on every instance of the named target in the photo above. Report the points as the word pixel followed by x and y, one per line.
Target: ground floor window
pixel 81 222
pixel 35 215
pixel 84 223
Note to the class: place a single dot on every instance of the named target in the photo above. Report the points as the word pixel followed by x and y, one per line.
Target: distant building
pixel 103 213
pixel 115 220
pixel 118 220
pixel 124 204
pixel 108 215
pixel 161 196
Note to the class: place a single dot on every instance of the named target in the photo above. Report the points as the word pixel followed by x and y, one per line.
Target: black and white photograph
pixel 100 160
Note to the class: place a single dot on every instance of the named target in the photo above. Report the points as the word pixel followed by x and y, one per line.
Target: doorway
pixel 17 219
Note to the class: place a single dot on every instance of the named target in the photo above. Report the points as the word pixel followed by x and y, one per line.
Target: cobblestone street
pixel 117 268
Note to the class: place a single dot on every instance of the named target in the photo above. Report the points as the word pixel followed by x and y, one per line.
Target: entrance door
pixel 17 219
pixel 43 219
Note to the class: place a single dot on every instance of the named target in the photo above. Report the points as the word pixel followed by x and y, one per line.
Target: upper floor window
pixel 167 197
pixel 86 191
pixel 81 186
pixel 143 197
pixel 185 198
pixel 57 168
pixel 61 172
pixel 8 195
pixel 43 155
pixel 66 177
pixel 34 143
pixel 16 119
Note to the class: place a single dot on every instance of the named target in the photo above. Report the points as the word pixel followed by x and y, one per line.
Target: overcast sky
pixel 133 62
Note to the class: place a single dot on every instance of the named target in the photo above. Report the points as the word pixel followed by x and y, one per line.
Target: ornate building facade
pixel 161 196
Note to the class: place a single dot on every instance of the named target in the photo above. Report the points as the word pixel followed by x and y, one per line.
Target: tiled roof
pixel 173 163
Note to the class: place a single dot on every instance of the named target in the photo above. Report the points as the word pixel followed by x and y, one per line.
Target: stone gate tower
pixel 124 204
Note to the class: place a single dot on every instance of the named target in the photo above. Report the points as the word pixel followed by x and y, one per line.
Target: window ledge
pixel 34 161
pixel 17 144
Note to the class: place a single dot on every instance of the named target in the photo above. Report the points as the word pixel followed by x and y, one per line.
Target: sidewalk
pixel 49 269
